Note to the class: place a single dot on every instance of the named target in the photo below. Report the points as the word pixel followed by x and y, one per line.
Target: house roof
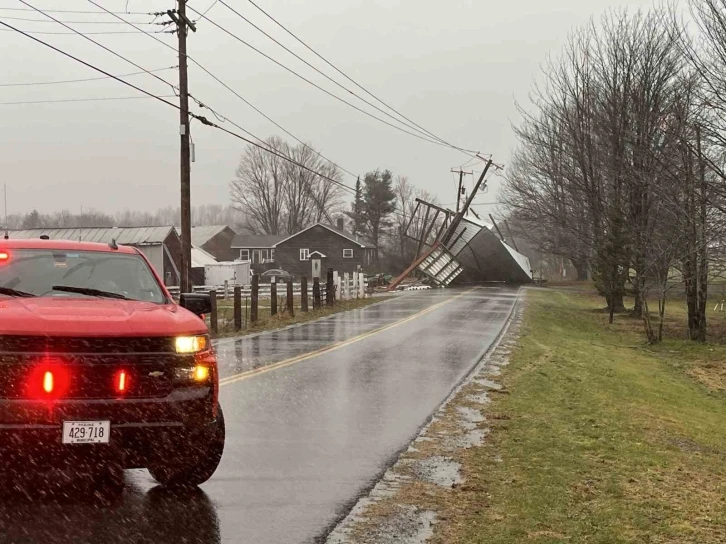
pixel 362 240
pixel 355 239
pixel 133 236
pixel 256 241
pixel 201 258
pixel 204 233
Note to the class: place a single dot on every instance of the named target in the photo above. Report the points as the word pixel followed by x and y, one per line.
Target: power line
pixel 99 45
pixel 333 95
pixel 230 89
pixel 201 119
pixel 326 76
pixel 5 17
pixel 84 33
pixel 138 66
pixel 83 11
pixel 343 73
pixel 162 99
pixel 104 72
pixel 84 79
pixel 80 100
pixel 209 8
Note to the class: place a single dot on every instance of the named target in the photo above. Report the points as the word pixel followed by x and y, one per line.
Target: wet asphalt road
pixel 305 435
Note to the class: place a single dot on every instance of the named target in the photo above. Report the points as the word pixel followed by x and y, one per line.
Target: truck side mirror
pixel 197 303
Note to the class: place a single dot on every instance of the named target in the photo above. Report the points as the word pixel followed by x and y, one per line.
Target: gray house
pixel 333 247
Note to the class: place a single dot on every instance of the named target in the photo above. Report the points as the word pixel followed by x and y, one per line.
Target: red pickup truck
pixel 100 369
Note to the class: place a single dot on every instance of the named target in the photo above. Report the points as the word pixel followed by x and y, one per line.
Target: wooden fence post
pixel 361 285
pixel 330 290
pixel 304 294
pixel 273 297
pixel 290 299
pixel 226 289
pixel 316 293
pixel 346 288
pixel 213 316
pixel 255 295
pixel 237 308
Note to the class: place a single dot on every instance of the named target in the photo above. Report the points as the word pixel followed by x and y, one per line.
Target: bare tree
pixel 279 196
pixel 311 197
pixel 259 188
pixel 611 169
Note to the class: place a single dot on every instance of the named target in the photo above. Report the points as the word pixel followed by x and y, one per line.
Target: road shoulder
pixel 404 506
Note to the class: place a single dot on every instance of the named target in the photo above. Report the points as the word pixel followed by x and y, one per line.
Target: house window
pixel 347 253
pixel 256 258
pixel 304 254
pixel 264 256
pixel 244 254
pixel 272 255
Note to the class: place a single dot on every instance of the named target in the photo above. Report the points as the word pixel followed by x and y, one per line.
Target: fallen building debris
pixel 454 247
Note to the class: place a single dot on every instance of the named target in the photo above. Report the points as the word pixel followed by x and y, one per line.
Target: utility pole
pixel 461 182
pixel 7 231
pixel 182 22
pixel 459 216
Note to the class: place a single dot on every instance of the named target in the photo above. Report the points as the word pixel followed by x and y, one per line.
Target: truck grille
pixel 62 344
pixel 91 364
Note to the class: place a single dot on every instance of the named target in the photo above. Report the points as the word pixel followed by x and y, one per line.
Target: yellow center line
pixel 338 345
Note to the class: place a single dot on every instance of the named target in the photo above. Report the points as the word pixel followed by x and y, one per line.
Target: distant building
pixel 161 245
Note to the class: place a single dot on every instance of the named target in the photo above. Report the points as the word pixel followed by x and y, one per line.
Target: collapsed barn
pixel 458 247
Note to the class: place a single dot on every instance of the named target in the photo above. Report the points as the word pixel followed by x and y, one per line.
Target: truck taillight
pixel 4 256
pixel 122 381
pixel 48 381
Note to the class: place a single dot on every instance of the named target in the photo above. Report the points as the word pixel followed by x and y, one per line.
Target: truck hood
pixel 46 316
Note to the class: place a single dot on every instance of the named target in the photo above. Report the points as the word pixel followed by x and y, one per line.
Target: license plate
pixel 86 432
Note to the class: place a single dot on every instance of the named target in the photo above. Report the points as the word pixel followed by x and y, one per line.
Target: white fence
pixel 348 286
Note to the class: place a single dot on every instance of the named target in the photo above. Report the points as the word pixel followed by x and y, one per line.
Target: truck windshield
pixel 36 272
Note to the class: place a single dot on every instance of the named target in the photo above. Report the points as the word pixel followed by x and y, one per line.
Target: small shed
pixel 200 259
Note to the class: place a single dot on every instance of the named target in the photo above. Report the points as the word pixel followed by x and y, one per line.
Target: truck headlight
pixel 191 344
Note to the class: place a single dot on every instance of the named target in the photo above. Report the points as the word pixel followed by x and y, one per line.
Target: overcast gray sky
pixel 454 67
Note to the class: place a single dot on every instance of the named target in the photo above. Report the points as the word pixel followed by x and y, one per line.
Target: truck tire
pixel 108 481
pixel 196 460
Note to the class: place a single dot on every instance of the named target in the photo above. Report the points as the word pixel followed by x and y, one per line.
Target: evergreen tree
pixel 356 213
pixel 379 202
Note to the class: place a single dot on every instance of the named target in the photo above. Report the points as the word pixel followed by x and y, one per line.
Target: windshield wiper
pixel 14 292
pixel 89 291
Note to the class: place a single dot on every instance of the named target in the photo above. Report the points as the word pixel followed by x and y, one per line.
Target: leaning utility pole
pixel 182 22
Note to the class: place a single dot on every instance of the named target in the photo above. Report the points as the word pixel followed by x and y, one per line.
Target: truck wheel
pixel 195 460
pixel 108 481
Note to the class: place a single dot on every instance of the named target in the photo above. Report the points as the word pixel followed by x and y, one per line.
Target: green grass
pixel 601 439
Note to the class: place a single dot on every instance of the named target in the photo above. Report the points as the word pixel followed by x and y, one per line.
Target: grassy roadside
pixel 268 322
pixel 601 439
